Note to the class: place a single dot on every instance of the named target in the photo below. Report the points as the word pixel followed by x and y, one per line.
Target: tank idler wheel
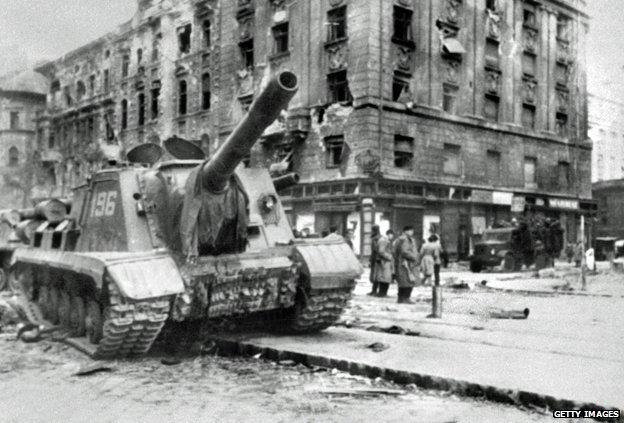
pixel 64 309
pixel 93 322
pixel 77 316
pixel 44 301
pixel 53 303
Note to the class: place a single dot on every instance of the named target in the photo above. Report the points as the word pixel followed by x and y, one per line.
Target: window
pixel 124 114
pixel 403 151
pixel 528 116
pixel 182 127
pixel 182 97
pixel 402 24
pixel 125 65
pixel 400 85
pixel 492 169
pixel 246 102
pixel 529 64
pixel 205 91
pixel 563 27
pixel 529 18
pixel 141 117
pixel 449 98
pixel 333 151
pixel 280 38
pixel 563 175
pixel 452 162
pixel 68 97
pixel 337 23
pixel 491 53
pixel 110 133
pixel 155 95
pixel 561 73
pixel 184 38
pixel 155 51
pixel 106 80
pixel 490 107
pixel 13 156
pixel 491 4
pixel 80 90
pixel 51 139
pixel 15 120
pixel 562 124
pixel 247 53
pixel 530 169
pixel 206 32
pixel 338 87
pixel 139 56
pixel 92 85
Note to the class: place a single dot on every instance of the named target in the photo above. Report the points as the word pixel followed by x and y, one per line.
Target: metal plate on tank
pixel 330 264
pixel 147 277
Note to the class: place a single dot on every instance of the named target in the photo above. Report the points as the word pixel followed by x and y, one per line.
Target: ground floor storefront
pixel 458 214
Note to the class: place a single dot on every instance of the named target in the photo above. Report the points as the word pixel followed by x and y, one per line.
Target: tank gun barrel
pixel 263 111
pixel 286 181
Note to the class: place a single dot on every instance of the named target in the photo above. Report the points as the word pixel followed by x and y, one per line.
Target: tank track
pixel 318 310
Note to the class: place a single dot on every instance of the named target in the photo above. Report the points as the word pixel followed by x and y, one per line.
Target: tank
pixel 150 242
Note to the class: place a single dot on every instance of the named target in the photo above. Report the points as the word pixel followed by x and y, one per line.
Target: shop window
pixel 184 38
pixel 400 85
pixel 124 114
pixel 402 18
pixel 206 91
pixel 333 151
pixel 13 156
pixel 452 159
pixel 563 175
pixel 337 23
pixel 155 99
pixel 492 54
pixel 338 87
pixel 280 38
pixel 247 53
pixel 15 120
pixel 182 97
pixel 125 65
pixel 530 172
pixel 491 105
pixel 449 98
pixel 403 151
pixel 141 116
pixel 529 64
pixel 206 28
pixel 528 116
pixel 493 172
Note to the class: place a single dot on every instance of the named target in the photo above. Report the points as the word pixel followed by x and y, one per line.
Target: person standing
pixel 406 264
pixel 384 266
pixel 375 235
pixel 430 254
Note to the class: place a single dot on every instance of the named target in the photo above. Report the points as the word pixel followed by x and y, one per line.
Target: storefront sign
pixel 334 207
pixel 517 204
pixel 562 203
pixel 480 196
pixel 502 198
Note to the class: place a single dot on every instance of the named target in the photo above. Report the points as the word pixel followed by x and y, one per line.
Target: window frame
pixel 281 41
pixel 338 88
pixel 337 24
pixel 403 16
pixel 332 154
pixel 403 154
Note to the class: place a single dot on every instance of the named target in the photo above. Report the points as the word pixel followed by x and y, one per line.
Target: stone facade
pixel 606 130
pixel 435 113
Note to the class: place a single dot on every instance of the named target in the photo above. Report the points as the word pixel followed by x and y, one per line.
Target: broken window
pixel 400 85
pixel 106 80
pixel 182 97
pixel 530 172
pixel 563 175
pixel 452 162
pixel 13 156
pixel 403 151
pixel 80 90
pixel 206 25
pixel 493 163
pixel 337 23
pixel 563 27
pixel 92 85
pixel 141 117
pixel 491 105
pixel 492 53
pixel 280 38
pixel 333 151
pixel 247 53
pixel 125 65
pixel 155 95
pixel 402 24
pixel 206 91
pixel 338 87
pixel 449 98
pixel 184 38
pixel 529 64
pixel 562 124
pixel 124 114
pixel 528 116
pixel 15 120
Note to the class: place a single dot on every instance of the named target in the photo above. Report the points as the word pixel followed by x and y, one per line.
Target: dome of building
pixel 26 81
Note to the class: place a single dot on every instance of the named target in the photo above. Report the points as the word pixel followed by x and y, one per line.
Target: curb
pixel 424 381
pixel 539 293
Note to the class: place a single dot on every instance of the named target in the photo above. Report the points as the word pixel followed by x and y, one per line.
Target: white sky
pixel 34 30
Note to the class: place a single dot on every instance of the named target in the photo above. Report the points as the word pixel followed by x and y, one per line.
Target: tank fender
pixel 328 264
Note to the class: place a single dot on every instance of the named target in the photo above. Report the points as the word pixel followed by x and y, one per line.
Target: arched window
pixel 13 156
pixel 80 90
pixel 182 97
pixel 124 114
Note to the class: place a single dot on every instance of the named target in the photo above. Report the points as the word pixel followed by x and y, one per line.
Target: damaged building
pixel 449 115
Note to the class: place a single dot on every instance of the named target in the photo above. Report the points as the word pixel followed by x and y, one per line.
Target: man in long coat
pixel 375 235
pixel 406 262
pixel 384 265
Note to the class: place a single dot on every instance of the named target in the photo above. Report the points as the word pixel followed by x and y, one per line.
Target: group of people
pixel 401 260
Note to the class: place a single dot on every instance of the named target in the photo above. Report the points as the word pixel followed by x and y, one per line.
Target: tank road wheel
pixel 44 301
pixel 64 308
pixel 93 322
pixel 314 312
pixel 53 302
pixel 77 316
